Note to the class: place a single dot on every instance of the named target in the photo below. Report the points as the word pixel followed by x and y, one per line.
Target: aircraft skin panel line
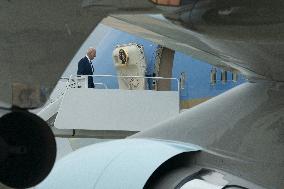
pixel 95 166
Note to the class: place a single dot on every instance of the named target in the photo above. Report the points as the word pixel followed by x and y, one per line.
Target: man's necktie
pixel 92 67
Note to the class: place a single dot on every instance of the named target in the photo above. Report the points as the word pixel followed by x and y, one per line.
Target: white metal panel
pixel 115 109
pixel 120 164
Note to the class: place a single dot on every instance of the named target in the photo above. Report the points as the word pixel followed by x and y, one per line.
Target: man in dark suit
pixel 85 66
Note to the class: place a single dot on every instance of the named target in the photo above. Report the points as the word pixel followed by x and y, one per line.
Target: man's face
pixel 92 54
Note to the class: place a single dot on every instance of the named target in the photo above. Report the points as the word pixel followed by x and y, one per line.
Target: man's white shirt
pixel 90 63
pixel 89 59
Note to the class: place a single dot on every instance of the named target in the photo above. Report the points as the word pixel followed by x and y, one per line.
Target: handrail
pixel 144 77
pixel 102 84
pixel 64 78
pixel 134 76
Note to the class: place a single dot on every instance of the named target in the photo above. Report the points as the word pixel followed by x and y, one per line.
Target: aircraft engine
pixel 27 149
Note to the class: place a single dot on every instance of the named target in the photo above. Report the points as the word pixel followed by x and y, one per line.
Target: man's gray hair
pixel 90 49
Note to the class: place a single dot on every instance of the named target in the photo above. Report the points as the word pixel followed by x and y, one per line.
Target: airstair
pixel 74 110
pixel 118 106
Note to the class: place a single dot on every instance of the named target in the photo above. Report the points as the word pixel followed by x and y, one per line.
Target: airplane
pixel 198 82
pixel 233 140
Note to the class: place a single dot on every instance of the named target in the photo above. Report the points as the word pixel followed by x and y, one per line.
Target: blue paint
pixel 198 78
pixel 197 72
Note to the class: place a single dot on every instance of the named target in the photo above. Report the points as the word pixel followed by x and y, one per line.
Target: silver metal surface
pixel 241 129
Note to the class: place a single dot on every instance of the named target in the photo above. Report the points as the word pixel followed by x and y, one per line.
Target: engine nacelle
pixel 27 149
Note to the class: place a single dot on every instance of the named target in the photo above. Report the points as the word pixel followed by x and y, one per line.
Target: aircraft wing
pixel 161 31
pixel 254 49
